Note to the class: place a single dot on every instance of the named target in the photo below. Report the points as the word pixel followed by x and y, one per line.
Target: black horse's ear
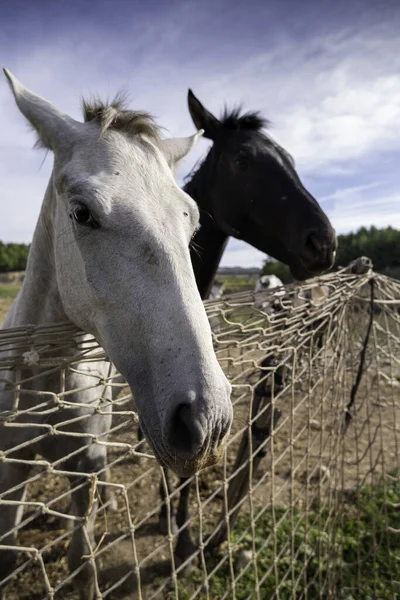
pixel 202 118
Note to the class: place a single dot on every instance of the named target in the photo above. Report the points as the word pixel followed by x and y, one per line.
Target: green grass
pixel 351 549
pixel 237 283
pixel 9 290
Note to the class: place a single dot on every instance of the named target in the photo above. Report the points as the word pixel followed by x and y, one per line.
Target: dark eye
pixel 81 214
pixel 242 162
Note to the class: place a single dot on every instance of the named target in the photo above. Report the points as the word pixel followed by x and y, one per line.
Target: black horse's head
pixel 256 195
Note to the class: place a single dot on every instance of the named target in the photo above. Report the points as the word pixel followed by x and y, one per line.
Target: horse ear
pixel 174 149
pixel 51 125
pixel 202 118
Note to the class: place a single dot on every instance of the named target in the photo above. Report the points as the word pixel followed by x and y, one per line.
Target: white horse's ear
pixel 52 126
pixel 174 149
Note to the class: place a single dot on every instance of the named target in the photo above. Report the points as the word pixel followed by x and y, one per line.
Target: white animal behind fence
pixel 267 282
pixel 295 471
pixel 217 290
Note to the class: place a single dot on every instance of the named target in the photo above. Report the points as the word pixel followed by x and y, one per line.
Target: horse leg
pixel 139 459
pixel 84 505
pixel 163 496
pixel 107 493
pixel 185 547
pixel 164 506
pixel 11 475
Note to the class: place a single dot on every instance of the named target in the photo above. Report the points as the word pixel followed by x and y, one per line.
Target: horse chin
pixel 187 468
pixel 299 272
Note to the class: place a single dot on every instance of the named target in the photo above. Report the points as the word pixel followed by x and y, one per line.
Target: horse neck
pixel 210 241
pixel 39 301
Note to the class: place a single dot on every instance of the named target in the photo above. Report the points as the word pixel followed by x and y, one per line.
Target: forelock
pixel 115 116
pixel 250 121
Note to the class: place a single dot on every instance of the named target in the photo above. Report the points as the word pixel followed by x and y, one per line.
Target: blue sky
pixel 327 74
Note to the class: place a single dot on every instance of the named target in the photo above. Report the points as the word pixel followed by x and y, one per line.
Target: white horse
pixel 110 253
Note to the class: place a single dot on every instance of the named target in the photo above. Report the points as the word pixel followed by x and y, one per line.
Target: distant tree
pixel 13 257
pixel 382 246
pixel 272 267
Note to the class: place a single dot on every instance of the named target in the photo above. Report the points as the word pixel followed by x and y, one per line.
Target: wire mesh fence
pixel 304 504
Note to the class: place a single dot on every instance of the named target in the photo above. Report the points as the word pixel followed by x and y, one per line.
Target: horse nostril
pixel 185 433
pixel 312 243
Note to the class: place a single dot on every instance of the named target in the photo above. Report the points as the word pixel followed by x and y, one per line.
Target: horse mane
pixel 252 121
pixel 114 115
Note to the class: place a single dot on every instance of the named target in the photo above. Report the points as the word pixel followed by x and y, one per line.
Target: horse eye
pixel 243 163
pixel 81 214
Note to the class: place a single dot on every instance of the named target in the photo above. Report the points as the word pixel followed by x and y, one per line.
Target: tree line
pixel 13 257
pixel 382 246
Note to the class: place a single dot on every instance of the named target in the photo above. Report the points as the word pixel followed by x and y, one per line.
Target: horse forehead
pixel 116 162
pixel 265 147
pixel 260 145
pixel 95 152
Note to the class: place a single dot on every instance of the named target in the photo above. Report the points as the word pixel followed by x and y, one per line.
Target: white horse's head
pixel 121 228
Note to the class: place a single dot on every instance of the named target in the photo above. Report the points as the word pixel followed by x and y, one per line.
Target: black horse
pixel 247 187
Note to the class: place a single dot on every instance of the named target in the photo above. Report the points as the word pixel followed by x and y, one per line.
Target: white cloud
pixel 356 206
pixel 239 254
pixel 358 117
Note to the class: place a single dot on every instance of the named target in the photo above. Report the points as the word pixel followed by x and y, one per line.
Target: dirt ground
pixel 308 458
